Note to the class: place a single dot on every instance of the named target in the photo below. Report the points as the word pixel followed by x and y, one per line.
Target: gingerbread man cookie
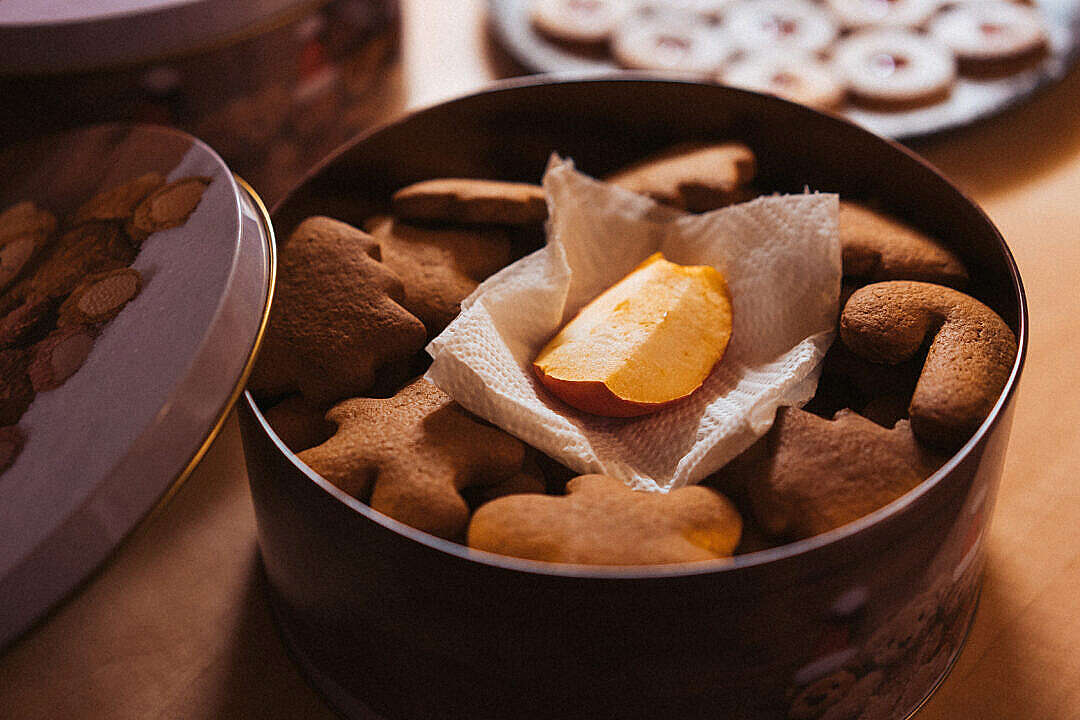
pixel 438 267
pixel 820 474
pixel 410 456
pixel 602 521
pixel 336 317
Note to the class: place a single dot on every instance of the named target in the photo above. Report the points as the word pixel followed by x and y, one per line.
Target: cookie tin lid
pixel 102 447
pixel 39 36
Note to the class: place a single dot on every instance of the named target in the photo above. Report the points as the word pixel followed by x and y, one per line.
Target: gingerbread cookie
pixel 100 297
pixel 991 36
pixel 336 317
pixel 819 696
pixel 465 200
pixel 59 356
pixel 299 424
pixel 894 68
pixel 785 25
pixel 693 176
pixel 800 78
pixel 602 521
pixel 438 267
pixel 118 203
pixel 11 444
pixel 820 474
pixel 410 456
pixel 967 365
pixel 876 247
pixel 16 391
pixel 529 480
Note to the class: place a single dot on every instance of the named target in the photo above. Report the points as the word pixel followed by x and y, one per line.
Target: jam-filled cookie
pixel 577 21
pixel 800 78
pixel 780 24
pixel 670 42
pixel 991 36
pixel 883 13
pixel 895 68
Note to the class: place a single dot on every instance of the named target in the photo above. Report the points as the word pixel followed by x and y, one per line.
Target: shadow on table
pixel 996 674
pixel 252 676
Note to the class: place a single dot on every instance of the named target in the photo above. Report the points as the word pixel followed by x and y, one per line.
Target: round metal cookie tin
pixel 389 621
pixel 104 445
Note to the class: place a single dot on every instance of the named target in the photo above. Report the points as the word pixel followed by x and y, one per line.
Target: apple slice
pixel 648 341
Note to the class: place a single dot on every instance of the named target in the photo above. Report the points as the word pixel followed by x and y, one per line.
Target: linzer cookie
pixel 793 76
pixel 895 69
pixel 438 267
pixel 991 36
pixel 877 246
pixel 410 456
pixel 337 317
pixel 167 207
pixel 661 43
pixel 59 356
pixel 785 25
pixel 100 297
pixel 118 203
pixel 466 200
pixel 601 521
pixel 693 177
pixel 856 14
pixel 819 474
pixel 577 21
pixel 16 391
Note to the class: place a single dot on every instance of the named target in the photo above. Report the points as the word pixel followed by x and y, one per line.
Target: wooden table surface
pixel 176 625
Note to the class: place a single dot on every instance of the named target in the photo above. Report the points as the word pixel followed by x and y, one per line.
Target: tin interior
pixel 508 133
pixel 385 618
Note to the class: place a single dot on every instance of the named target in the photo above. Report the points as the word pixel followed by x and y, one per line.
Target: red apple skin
pixel 594 397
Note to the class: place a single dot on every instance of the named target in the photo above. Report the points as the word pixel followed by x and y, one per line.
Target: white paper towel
pixel 781 258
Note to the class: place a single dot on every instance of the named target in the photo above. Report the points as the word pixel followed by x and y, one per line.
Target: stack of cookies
pixel 917 367
pixel 888 55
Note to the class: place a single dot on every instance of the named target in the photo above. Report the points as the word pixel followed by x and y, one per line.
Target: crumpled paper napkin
pixel 781 258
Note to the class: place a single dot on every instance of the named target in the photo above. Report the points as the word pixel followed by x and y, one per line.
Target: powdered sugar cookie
pixel 780 24
pixel 895 67
pixel 669 42
pixel 883 13
pixel 990 35
pixel 578 21
pixel 801 78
